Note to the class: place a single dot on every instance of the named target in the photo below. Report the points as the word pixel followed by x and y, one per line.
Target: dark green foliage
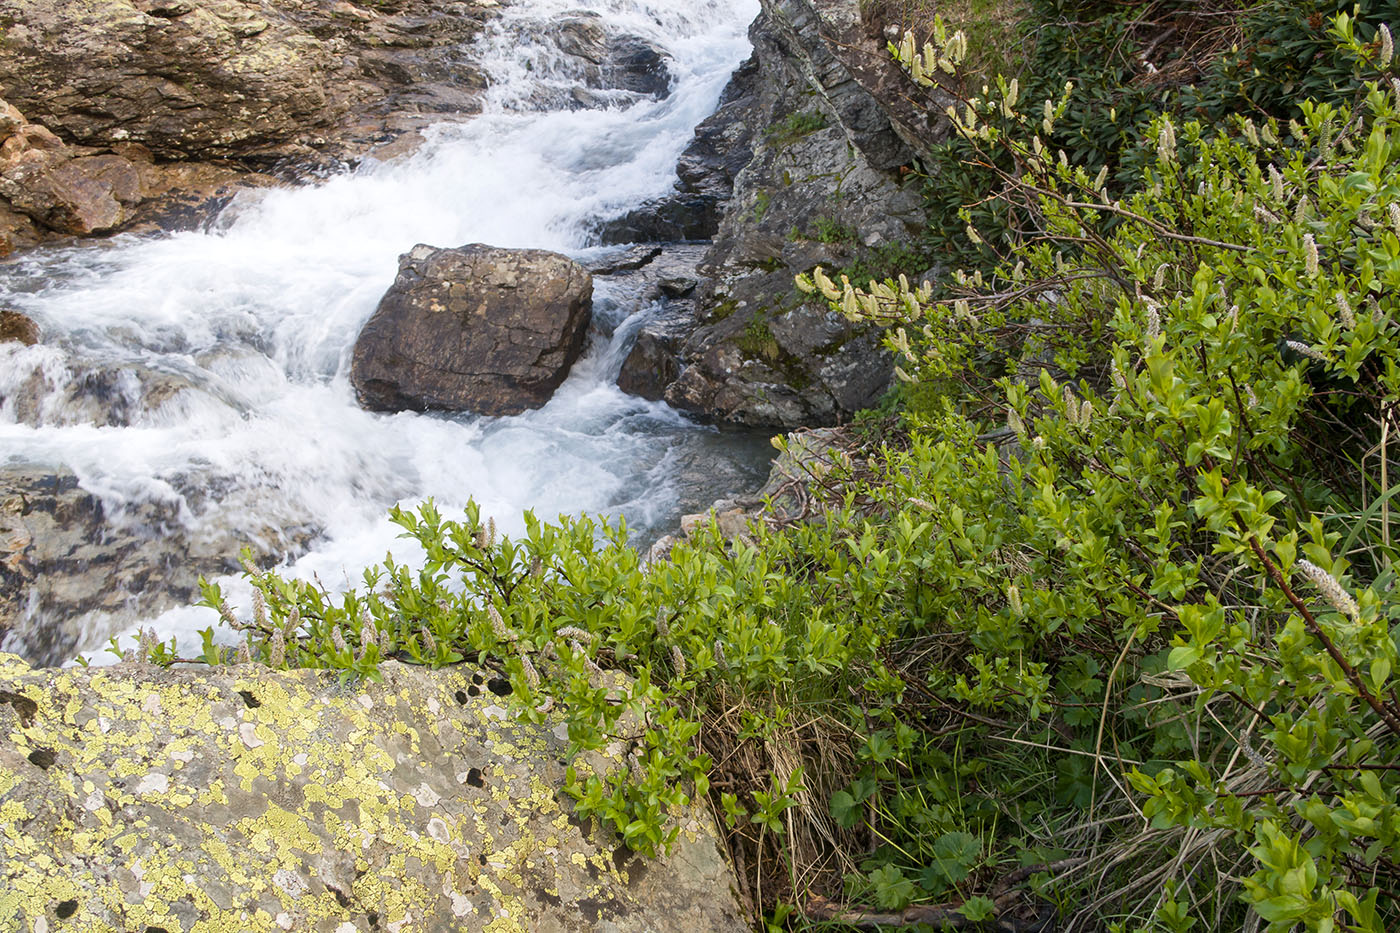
pixel 1284 56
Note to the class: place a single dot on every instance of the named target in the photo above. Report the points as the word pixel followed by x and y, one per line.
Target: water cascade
pixel 220 356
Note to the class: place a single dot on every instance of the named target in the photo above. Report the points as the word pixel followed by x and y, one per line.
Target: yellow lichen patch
pixel 259 801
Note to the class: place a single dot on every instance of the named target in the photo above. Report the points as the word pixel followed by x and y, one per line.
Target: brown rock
pixel 479 329
pixel 216 78
pixel 63 195
pixel 16 327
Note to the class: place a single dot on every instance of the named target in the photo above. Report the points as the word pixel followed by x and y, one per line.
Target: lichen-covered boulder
pixel 479 329
pixel 133 798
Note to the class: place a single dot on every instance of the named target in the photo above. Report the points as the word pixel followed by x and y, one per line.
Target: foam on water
pixel 255 318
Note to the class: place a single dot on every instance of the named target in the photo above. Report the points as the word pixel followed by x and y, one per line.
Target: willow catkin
pixel 1330 589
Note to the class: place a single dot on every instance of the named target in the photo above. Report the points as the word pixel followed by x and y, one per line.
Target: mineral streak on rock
pixel 134 798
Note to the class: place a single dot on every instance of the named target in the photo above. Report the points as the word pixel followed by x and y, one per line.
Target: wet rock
pixel 58 187
pixel 626 261
pixel 17 328
pixel 678 286
pixel 637 65
pixel 760 354
pixel 722 146
pixel 651 365
pixel 670 219
pixel 479 329
pixel 723 142
pixel 249 799
pixel 668 277
pixel 612 61
pixel 71 565
pixel 55 389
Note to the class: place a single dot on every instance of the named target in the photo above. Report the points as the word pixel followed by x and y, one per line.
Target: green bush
pixel 1182 555
pixel 1280 54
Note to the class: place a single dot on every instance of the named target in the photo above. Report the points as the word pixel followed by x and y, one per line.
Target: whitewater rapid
pixel 252 321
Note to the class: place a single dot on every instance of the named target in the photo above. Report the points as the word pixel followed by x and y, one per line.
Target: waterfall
pixel 220 357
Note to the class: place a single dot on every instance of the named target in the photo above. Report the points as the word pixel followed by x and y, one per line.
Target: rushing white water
pixel 251 324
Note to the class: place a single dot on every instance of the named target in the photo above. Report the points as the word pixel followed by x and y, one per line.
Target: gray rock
pixel 760 354
pixel 479 329
pixel 722 146
pixel 678 286
pixel 612 61
pixel 671 219
pixel 651 365
pixel 70 570
pixel 243 798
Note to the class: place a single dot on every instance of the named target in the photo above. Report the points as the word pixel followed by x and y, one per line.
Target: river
pixel 229 346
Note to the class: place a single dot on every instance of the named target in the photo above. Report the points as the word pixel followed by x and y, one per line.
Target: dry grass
pixel 815 854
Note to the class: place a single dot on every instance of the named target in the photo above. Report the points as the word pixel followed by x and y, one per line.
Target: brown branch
pixel 1348 671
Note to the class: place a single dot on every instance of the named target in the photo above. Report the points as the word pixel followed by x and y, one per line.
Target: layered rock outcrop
pixel 821 185
pixel 141 799
pixel 266 79
pixel 479 329
pixel 140 110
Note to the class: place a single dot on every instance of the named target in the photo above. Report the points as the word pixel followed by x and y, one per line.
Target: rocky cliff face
pixel 259 79
pixel 820 185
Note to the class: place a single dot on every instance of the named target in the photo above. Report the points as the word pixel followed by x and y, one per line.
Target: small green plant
pixel 795 126
pixel 758 341
pixel 830 230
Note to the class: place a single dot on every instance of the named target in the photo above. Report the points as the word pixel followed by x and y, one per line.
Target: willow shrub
pixel 1115 619
pixel 1199 387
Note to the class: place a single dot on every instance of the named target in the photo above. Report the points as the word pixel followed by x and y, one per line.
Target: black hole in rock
pixel 461 697
pixel 42 758
pixel 25 707
pixel 157 930
pixel 373 918
pixel 481 859
pixel 66 909
pixel 474 778
pixel 621 855
pixel 474 690
pixel 341 897
pixel 499 686
pixel 249 700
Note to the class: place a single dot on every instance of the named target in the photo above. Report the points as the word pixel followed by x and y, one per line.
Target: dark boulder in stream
pixel 479 329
